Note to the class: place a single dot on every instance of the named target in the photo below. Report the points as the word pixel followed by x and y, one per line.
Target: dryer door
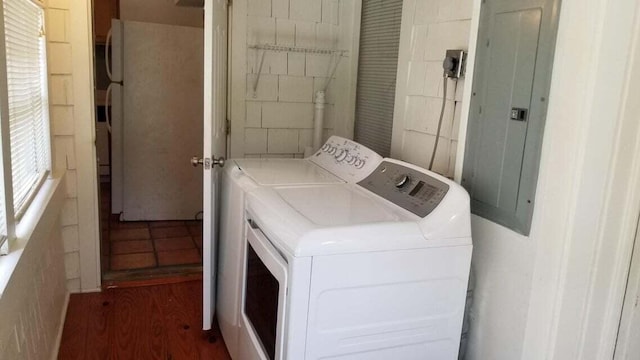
pixel 264 297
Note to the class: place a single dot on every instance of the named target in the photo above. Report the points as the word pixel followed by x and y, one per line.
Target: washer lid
pixel 330 206
pixel 286 171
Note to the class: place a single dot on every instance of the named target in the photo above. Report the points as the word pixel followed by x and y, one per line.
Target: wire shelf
pixel 280 48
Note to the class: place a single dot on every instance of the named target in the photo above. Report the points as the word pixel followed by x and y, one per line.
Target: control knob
pixel 332 150
pixel 402 181
pixel 360 163
pixel 325 147
pixel 351 159
pixel 341 155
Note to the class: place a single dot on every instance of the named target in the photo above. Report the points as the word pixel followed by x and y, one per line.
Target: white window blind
pixel 27 98
pixel 377 67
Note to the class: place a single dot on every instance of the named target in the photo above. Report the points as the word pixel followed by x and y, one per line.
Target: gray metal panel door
pixel 162 121
pixel 514 56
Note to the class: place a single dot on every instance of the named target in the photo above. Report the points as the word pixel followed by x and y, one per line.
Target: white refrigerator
pixel 156 120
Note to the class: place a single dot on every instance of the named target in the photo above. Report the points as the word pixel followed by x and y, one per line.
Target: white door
pixel 215 110
pixel 628 344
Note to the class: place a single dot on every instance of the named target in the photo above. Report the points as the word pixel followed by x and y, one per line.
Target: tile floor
pixel 137 245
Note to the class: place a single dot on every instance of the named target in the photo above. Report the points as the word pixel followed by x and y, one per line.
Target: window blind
pixel 27 95
pixel 377 67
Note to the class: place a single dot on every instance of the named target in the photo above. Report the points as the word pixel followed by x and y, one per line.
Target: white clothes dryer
pixel 339 161
pixel 372 270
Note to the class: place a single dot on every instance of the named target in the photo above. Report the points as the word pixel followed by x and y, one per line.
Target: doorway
pixel 149 80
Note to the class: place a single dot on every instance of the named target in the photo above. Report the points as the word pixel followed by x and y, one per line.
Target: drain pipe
pixel 318 120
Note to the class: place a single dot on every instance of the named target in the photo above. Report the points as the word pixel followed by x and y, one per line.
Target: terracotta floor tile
pixel 132 261
pixel 178 257
pixel 129 234
pixel 131 247
pixel 167 232
pixel 128 224
pixel 177 243
pixel 169 223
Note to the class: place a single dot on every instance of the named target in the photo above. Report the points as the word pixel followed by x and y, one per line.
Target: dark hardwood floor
pixel 148 322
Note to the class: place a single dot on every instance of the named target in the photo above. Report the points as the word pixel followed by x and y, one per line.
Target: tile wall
pixel 279 115
pixel 430 27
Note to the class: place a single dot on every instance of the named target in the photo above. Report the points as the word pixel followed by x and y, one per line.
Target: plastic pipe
pixel 318 120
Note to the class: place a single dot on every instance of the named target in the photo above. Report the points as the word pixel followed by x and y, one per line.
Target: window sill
pixel 45 207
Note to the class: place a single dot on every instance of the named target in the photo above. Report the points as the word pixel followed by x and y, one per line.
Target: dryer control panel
pixel 347 159
pixel 408 188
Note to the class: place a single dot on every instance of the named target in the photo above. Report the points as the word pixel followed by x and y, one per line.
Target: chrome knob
pixel 402 181
pixel 195 161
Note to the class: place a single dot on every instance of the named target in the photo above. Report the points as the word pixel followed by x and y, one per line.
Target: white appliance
pixel 156 120
pixel 244 175
pixel 373 270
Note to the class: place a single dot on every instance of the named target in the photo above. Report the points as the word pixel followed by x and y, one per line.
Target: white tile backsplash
pixel 259 8
pixel 287 115
pixel 285 94
pixel 318 65
pixel 305 10
pixel 283 141
pixel 330 10
pixel 255 140
pixel 296 64
pixel 295 89
pixel 254 114
pixel 285 32
pixel 305 34
pixel 305 138
pixel 267 89
pixel 275 63
pixel 416 79
pixel 280 9
pixel 446 35
pixel 426 11
pixel 261 30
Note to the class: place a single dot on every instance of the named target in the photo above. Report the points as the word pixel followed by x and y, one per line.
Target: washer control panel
pixel 408 188
pixel 347 159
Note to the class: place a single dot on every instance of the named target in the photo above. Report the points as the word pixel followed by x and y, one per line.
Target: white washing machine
pixel 373 270
pixel 339 161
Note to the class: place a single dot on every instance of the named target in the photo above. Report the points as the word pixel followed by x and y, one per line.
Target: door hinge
pixel 228 126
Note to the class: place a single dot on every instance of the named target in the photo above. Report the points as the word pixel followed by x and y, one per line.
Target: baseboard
pixel 63 316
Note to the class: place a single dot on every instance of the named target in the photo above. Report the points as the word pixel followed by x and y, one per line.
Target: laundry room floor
pixel 149 322
pixel 142 249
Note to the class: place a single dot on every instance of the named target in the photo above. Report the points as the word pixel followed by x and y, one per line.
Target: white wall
pixel 556 294
pixel 161 12
pixel 61 100
pixel 429 28
pixel 278 121
pixel 33 301
pixel 72 118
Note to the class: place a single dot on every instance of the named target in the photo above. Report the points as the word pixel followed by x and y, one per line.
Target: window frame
pixel 11 216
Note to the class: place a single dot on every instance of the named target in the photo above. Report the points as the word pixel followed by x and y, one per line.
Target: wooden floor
pixel 149 322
